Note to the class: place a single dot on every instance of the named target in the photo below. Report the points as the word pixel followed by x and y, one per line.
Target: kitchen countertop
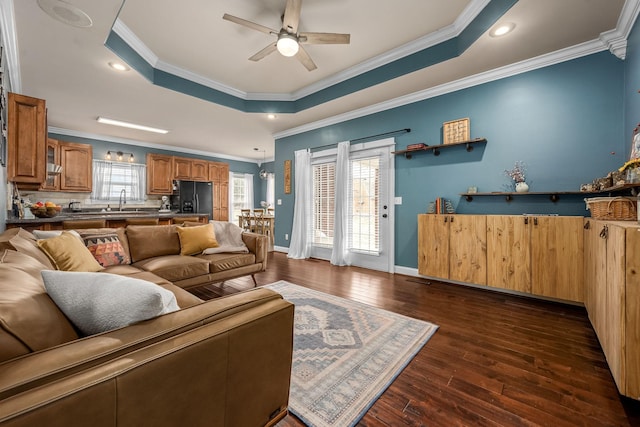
pixel 113 215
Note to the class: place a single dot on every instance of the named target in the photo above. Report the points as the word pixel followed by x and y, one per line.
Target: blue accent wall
pixel 566 122
pixel 632 85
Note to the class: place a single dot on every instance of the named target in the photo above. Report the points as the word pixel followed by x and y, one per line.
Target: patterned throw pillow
pixel 105 247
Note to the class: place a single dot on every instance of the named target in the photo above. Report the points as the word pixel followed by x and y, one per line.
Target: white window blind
pixel 324 201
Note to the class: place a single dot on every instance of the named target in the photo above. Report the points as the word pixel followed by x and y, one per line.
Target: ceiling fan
pixel 289 41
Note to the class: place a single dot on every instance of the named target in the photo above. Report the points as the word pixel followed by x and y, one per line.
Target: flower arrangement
pixel 517 173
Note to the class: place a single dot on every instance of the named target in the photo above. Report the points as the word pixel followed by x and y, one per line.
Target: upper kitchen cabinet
pixel 27 140
pixel 159 174
pixel 77 167
pixel 199 170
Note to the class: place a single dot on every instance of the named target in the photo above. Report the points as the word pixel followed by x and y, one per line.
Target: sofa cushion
pixel 68 253
pixel 195 239
pixel 99 302
pixel 175 267
pixel 105 246
pixel 227 261
pixel 22 241
pixel 147 241
pixel 29 319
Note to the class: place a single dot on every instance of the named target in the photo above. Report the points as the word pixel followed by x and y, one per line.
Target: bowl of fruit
pixel 45 210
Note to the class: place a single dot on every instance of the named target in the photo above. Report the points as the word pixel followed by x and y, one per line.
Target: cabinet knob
pixel 587 225
pixel 604 233
pixel 526 220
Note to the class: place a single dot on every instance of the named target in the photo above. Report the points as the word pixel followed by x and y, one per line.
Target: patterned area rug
pixel 345 354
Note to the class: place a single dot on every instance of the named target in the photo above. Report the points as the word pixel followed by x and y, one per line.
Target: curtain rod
pixel 393 132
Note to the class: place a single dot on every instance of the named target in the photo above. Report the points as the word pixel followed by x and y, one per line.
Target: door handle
pixel 384 215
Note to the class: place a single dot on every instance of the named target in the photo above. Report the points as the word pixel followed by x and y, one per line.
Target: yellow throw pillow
pixel 68 253
pixel 194 240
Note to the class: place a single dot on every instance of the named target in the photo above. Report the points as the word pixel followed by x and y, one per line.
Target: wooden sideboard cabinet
pixel 612 296
pixel 540 255
pixel 27 138
pixel 453 247
pixel 159 174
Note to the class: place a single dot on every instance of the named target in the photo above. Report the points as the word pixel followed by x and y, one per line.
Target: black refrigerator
pixel 193 197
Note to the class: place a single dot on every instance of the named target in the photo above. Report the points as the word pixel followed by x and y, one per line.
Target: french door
pixel 369 214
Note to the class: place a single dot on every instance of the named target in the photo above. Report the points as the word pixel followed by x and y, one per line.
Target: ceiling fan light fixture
pixel 287 45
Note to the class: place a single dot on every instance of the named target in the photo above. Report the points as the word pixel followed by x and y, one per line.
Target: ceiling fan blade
pixel 264 52
pixel 249 24
pixel 291 17
pixel 324 38
pixel 305 59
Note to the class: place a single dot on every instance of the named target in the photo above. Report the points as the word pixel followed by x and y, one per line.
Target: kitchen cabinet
pixel 219 175
pixel 77 167
pixel 159 174
pixel 536 255
pixel 181 168
pixel 199 170
pixel 26 141
pixel 612 296
pixel 76 162
pixel 52 181
pixel 453 247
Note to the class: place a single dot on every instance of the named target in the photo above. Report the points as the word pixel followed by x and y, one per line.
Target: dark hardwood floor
pixel 496 359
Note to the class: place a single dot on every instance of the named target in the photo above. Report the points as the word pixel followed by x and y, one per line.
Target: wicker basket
pixel 612 208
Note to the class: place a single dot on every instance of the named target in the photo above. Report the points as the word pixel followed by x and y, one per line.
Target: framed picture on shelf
pixel 456 131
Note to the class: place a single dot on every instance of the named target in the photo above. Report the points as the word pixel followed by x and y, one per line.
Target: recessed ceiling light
pixel 502 29
pixel 66 12
pixel 118 66
pixel 271 116
pixel 107 121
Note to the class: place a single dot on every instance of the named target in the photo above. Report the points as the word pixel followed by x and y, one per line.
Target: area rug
pixel 345 354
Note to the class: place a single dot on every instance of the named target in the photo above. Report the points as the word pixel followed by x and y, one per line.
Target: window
pixel 324 203
pixel 111 178
pixel 241 193
pixel 364 219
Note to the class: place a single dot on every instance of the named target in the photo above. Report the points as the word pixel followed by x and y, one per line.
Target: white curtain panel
pixel 232 217
pixel 248 191
pixel 300 247
pixel 271 189
pixel 340 251
pixel 101 180
pixel 138 183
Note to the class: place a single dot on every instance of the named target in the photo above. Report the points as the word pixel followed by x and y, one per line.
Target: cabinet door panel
pixel 433 247
pixel 181 168
pixel 52 182
pixel 508 253
pixel 468 248
pixel 615 304
pixel 557 257
pixel 27 139
pixel 632 314
pixel 595 276
pixel 77 167
pixel 200 170
pixel 159 174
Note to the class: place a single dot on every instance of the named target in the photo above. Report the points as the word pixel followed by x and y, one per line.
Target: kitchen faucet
pixel 123 199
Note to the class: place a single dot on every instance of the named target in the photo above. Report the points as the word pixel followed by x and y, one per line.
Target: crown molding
pixel 10 42
pixel 137 143
pixel 616 39
pixel 542 61
pixel 466 17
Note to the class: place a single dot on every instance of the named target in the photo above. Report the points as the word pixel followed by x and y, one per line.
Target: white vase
pixel 522 187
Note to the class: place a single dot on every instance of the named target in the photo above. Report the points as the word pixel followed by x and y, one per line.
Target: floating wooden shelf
pixel 436 148
pixel 554 196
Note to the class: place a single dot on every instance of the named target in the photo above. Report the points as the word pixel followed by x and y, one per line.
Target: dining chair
pixel 245 222
pixel 271 211
pixel 258 221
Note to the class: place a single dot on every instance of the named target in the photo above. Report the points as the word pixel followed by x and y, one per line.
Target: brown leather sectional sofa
pixel 224 362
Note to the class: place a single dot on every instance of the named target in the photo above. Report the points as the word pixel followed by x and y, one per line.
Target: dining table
pixel 269 221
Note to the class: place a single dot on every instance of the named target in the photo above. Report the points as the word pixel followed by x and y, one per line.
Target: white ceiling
pixel 67 65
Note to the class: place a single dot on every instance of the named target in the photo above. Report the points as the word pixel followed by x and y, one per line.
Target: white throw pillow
pixel 45 234
pixel 99 302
